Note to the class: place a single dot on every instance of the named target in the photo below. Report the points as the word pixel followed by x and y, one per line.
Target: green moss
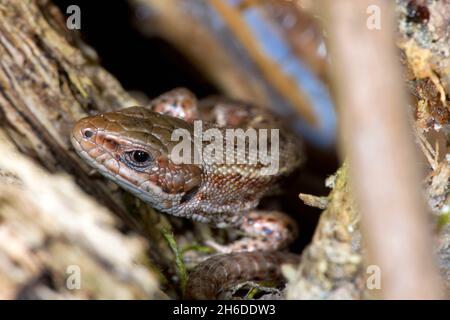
pixel 444 219
pixel 181 268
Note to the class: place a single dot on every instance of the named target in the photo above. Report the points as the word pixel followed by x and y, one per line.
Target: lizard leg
pixel 180 103
pixel 264 231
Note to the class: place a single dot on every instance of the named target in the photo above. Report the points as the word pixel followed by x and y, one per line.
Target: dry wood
pixel 48 80
pixel 378 142
pixel 57 243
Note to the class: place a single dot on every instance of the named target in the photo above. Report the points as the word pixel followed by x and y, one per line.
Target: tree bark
pixel 49 79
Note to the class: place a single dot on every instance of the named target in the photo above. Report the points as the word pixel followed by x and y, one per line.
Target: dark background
pixel 142 63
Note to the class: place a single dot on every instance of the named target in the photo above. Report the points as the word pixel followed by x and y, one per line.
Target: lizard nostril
pixel 87 133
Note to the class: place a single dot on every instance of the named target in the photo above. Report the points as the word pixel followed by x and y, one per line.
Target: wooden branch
pixel 57 243
pixel 247 51
pixel 332 265
pixel 48 80
pixel 47 83
pixel 378 142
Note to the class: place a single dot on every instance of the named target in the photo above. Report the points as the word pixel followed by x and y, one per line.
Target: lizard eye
pixel 138 158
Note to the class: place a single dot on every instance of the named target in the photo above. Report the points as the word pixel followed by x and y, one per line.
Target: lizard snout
pixel 84 135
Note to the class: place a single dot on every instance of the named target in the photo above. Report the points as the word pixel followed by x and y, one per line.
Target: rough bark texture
pixel 423 37
pixel 52 247
pixel 332 265
pixel 48 80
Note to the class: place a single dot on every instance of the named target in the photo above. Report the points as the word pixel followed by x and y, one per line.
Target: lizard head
pixel 132 148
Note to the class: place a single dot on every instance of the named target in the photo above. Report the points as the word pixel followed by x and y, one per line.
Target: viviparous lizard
pixel 133 147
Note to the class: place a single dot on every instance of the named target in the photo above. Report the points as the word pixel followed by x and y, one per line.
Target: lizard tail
pixel 213 275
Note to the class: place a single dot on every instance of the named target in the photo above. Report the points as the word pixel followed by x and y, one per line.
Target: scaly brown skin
pixel 208 278
pixel 132 147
